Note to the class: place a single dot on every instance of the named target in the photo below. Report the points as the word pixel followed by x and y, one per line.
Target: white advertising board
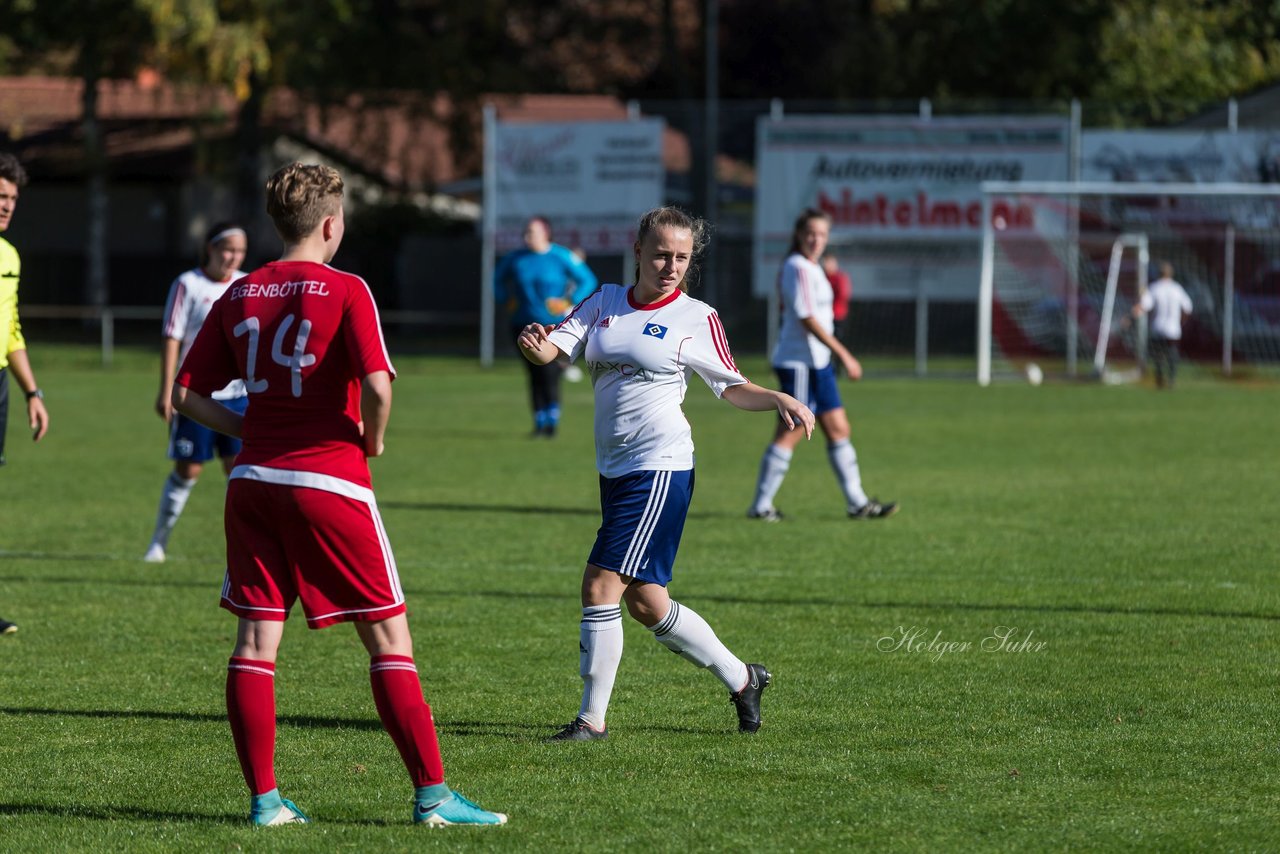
pixel 592 180
pixel 1193 157
pixel 904 194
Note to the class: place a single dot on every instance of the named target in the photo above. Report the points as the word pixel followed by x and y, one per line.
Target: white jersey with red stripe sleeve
pixel 804 291
pixel 190 297
pixel 640 358
pixel 302 336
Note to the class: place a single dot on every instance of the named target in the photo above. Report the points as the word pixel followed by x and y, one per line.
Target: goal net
pixel 1064 263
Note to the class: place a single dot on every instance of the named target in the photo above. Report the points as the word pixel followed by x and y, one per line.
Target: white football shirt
pixel 1166 300
pixel 804 291
pixel 190 297
pixel 639 358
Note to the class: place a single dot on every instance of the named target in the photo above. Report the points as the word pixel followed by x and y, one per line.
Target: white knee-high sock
pixel 173 497
pixel 773 468
pixel 844 462
pixel 687 635
pixel 600 648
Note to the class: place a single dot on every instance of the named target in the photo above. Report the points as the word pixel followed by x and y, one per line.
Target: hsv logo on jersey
pixel 655 330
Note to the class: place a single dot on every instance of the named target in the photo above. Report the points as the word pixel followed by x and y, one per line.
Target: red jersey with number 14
pixel 302 336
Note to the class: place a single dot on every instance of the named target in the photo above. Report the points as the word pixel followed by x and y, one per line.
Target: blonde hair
pixel 300 196
pixel 673 217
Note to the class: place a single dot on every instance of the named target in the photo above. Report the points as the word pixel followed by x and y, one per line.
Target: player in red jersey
pixel 301 520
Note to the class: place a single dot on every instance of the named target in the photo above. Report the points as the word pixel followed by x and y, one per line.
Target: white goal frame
pixel 1075 189
pixel 1123 242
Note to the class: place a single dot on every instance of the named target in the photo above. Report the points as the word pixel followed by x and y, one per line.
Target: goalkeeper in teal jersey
pixel 539 284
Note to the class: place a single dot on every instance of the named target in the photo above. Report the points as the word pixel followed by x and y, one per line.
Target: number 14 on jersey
pixel 295 361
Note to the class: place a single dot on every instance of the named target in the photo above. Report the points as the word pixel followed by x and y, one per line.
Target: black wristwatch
pixel 35 392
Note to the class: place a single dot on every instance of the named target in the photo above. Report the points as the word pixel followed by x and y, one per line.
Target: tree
pixel 223 44
pixel 1167 59
pixel 101 39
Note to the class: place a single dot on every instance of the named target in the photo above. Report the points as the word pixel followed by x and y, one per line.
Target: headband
pixel 227 232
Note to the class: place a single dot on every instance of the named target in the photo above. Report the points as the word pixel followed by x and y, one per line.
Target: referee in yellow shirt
pixel 13 349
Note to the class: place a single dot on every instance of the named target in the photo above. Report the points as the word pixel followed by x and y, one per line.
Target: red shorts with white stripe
pixel 299 535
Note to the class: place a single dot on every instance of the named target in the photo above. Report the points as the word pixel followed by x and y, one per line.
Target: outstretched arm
pixel 754 398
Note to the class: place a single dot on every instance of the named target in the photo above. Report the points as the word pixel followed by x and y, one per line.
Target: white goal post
pixel 1139 243
pixel 1045 245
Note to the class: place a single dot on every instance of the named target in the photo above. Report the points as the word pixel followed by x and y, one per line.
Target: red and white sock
pixel 251 708
pixel 397 693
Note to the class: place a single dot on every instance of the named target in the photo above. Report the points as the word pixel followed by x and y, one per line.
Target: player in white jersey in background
pixel 802 360
pixel 1168 304
pixel 191 444
pixel 641 344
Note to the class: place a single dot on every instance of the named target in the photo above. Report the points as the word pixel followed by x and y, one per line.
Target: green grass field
pixel 1130 534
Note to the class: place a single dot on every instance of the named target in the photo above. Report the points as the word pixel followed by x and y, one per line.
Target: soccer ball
pixel 1035 376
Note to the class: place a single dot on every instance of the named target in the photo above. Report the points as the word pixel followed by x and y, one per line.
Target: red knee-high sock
pixel 406 716
pixel 251 707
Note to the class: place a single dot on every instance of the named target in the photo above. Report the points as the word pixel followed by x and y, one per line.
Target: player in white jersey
pixel 191 444
pixel 1168 304
pixel 802 360
pixel 641 344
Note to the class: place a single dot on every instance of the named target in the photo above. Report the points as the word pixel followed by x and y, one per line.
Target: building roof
pixel 153 129
pixel 1259 109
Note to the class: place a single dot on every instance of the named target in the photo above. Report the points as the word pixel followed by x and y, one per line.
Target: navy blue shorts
pixel 814 387
pixel 192 442
pixel 642 518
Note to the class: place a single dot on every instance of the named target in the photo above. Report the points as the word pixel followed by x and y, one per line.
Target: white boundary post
pixel 1228 298
pixel 711 145
pixel 773 311
pixel 922 326
pixel 922 298
pixel 108 332
pixel 986 292
pixel 488 236
pixel 627 279
pixel 1074 154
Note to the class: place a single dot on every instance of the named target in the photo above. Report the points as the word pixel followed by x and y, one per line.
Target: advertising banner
pixel 1244 157
pixel 903 193
pixel 592 180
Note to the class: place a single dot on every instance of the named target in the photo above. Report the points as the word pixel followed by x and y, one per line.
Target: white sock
pixel 844 462
pixel 687 635
pixel 773 468
pixel 600 648
pixel 173 497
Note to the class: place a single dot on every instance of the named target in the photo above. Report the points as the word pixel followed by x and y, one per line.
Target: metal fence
pixel 428 281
